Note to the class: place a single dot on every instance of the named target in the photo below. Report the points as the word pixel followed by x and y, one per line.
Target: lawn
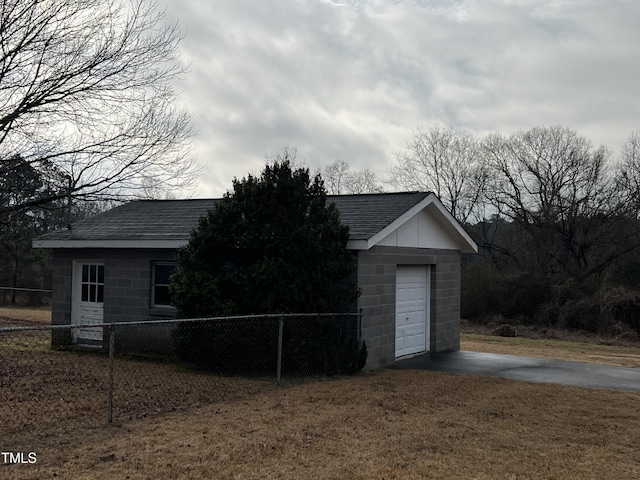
pixel 377 425
pixel 382 424
pixel 25 315
pixel 579 351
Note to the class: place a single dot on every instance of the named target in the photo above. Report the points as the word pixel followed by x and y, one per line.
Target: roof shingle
pixel 365 214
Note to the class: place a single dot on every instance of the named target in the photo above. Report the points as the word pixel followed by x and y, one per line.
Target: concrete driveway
pixel 528 369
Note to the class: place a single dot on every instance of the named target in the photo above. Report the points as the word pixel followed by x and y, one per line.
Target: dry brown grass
pixel 624 356
pixel 25 314
pixel 45 391
pixel 557 344
pixel 378 425
pixel 171 423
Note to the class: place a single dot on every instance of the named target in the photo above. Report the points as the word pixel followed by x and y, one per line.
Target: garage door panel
pixel 412 325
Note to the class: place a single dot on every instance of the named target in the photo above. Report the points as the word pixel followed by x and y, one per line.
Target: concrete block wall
pixel 377 283
pixel 127 293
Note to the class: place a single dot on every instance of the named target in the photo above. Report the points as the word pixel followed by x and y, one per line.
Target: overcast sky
pixel 352 79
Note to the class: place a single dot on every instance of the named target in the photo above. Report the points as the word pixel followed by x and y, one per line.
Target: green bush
pixel 310 346
pixel 322 346
pixel 273 244
pixel 228 346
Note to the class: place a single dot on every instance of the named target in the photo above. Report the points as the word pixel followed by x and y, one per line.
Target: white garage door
pixel 412 309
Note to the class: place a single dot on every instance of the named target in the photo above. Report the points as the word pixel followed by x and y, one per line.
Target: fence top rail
pixel 20 289
pixel 175 320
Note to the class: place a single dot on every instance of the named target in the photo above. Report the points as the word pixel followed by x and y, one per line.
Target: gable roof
pixel 168 223
pixel 368 214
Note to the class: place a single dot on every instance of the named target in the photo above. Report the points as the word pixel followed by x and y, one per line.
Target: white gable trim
pixel 168 244
pixel 467 243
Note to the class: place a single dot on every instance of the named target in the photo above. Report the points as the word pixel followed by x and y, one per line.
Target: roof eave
pixel 158 244
pixel 357 245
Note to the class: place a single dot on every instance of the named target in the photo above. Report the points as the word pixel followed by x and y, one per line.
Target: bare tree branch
pixel 339 178
pixel 562 194
pixel 86 90
pixel 629 171
pixel 446 162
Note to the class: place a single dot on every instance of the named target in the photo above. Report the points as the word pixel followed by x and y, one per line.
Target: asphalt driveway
pixel 528 369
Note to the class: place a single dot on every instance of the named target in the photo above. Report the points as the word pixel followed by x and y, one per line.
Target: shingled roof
pixel 368 214
pixel 139 220
pixel 168 223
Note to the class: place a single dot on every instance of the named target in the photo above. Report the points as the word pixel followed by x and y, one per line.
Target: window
pixel 92 284
pixel 160 293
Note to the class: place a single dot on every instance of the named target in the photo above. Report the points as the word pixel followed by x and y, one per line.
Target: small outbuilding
pixel 115 267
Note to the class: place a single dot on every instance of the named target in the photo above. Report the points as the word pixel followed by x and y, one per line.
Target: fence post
pixel 110 386
pixel 279 368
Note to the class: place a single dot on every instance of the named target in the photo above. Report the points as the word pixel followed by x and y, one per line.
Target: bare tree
pixel 334 176
pixel 562 193
pixel 446 162
pixel 339 178
pixel 629 168
pixel 86 98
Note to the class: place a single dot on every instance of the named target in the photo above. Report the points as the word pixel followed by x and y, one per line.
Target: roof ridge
pixel 205 199
pixel 411 192
pixel 208 199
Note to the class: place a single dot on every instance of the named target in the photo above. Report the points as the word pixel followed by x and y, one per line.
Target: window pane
pixel 100 273
pixel 163 272
pixel 85 292
pixel 92 274
pixel 92 292
pixel 100 293
pixel 161 295
pixel 85 273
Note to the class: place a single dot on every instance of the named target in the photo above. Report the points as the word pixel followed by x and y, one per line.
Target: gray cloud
pixel 352 79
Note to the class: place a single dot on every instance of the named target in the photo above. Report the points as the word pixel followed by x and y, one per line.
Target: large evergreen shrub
pixel 272 245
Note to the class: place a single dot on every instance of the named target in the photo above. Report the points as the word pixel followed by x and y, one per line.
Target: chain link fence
pixel 50 383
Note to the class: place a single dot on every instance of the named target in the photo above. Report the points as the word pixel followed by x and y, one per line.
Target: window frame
pixel 92 282
pixel 152 296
